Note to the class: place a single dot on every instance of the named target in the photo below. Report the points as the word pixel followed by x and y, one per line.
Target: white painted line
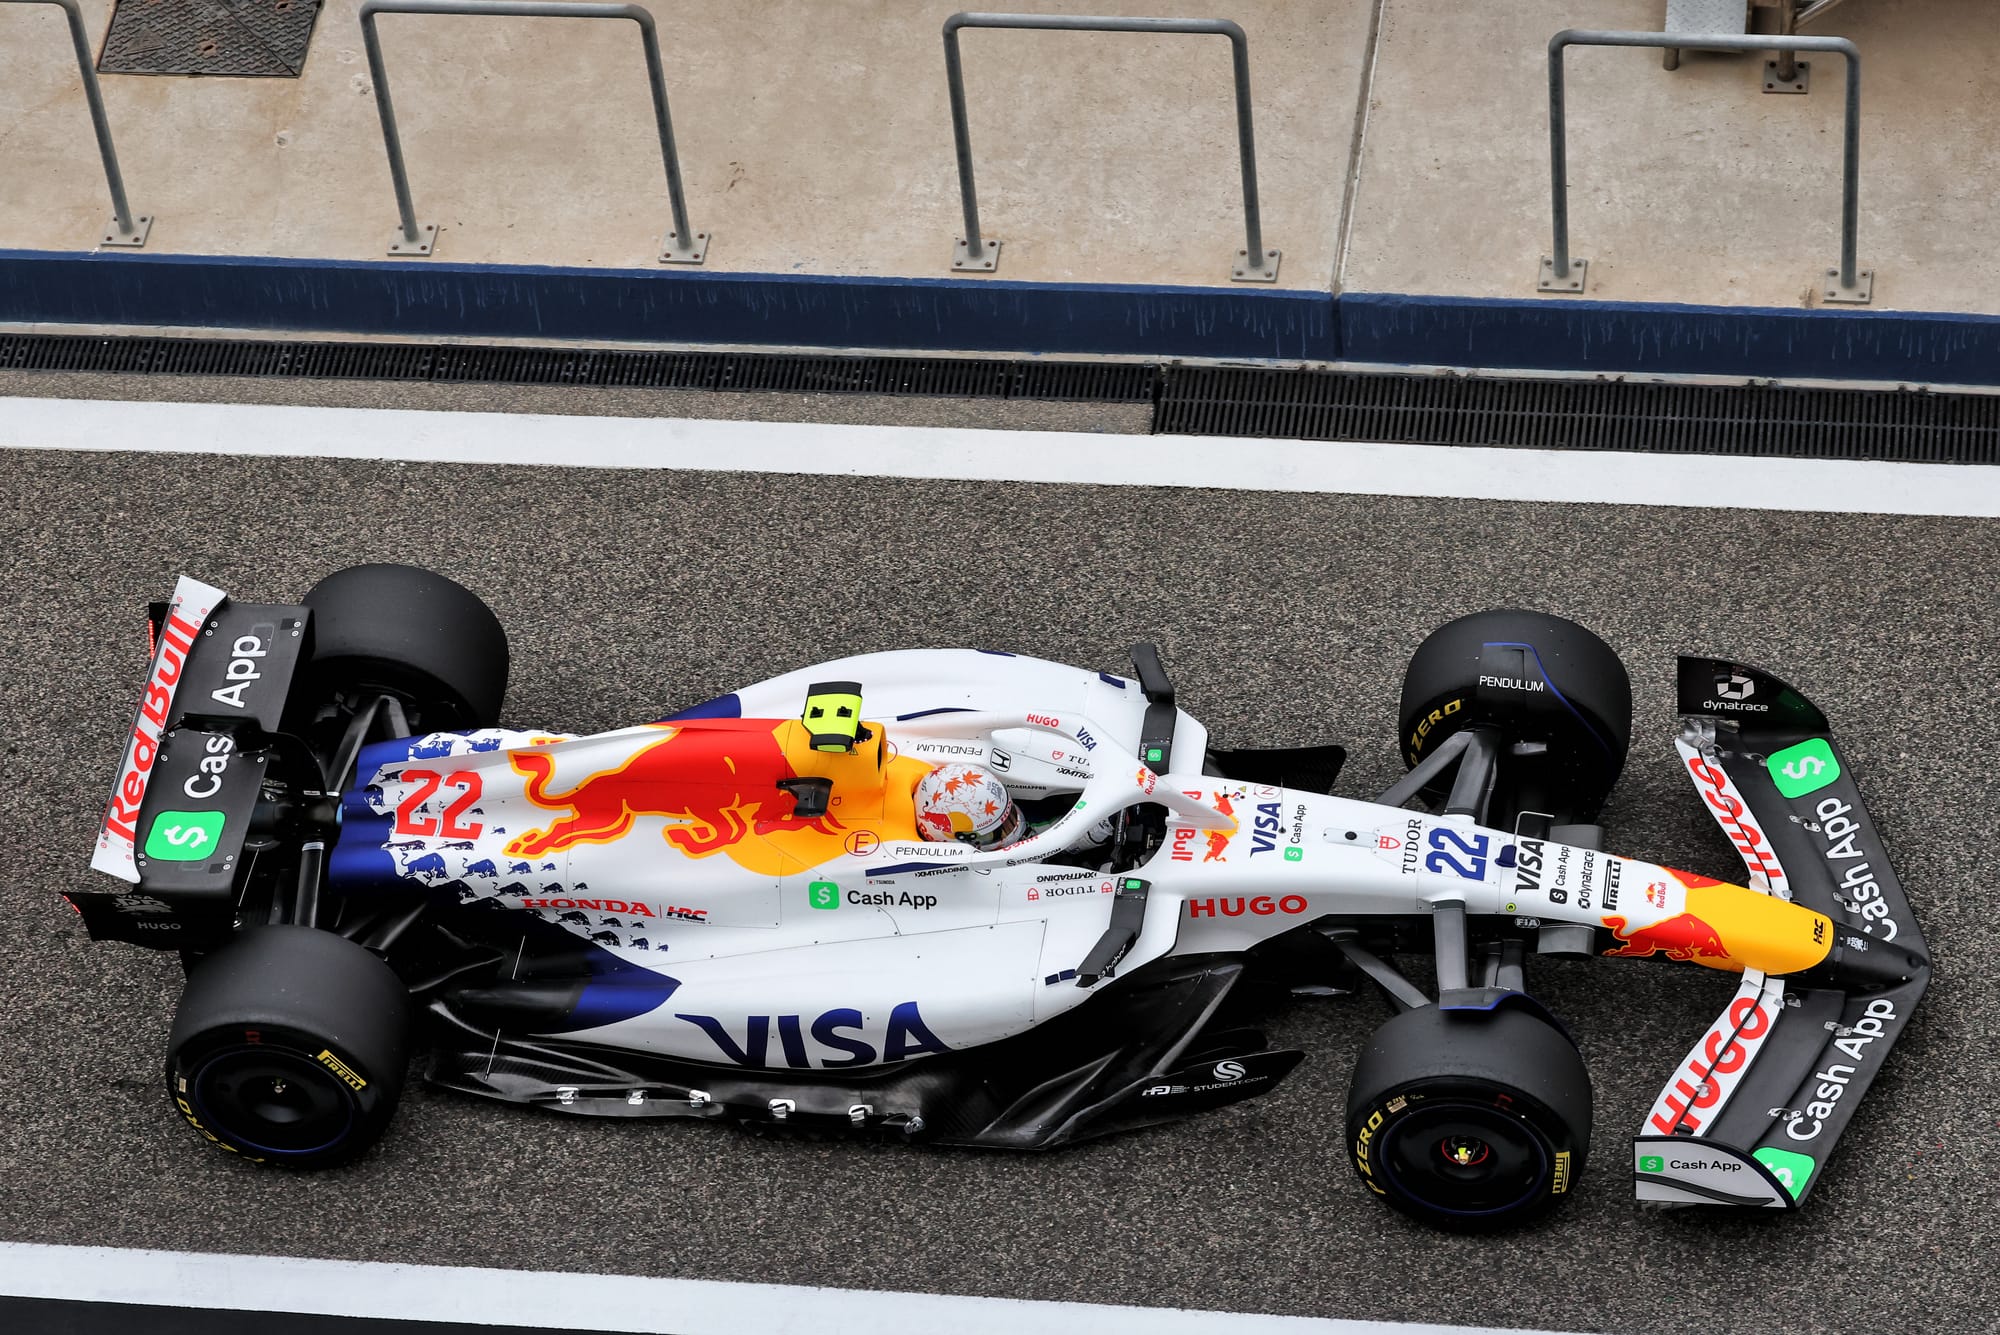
pixel 596 1302
pixel 1609 477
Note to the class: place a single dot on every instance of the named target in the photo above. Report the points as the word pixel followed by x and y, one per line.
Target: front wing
pixel 1752 1114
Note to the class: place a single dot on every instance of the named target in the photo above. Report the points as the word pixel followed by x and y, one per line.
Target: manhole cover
pixel 240 37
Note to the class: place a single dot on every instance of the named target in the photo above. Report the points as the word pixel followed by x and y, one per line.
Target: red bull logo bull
pixel 1682 937
pixel 1218 840
pixel 715 782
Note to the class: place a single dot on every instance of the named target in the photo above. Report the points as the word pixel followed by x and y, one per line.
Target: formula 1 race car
pixel 731 913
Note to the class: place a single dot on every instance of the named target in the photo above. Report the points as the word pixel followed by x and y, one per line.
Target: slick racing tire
pixel 290 1047
pixel 414 634
pixel 1538 680
pixel 1469 1120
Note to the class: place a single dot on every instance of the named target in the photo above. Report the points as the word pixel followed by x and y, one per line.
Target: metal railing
pixel 1254 263
pixel 1561 272
pixel 682 246
pixel 125 229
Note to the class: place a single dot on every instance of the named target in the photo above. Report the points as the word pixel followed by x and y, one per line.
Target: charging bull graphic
pixel 715 783
pixel 1682 937
pixel 1728 927
pixel 1218 840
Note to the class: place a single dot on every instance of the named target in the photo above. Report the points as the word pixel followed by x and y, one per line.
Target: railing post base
pixel 1570 282
pixel 1264 272
pixel 1860 294
pixel 427 235
pixel 693 251
pixel 988 261
pixel 1776 82
pixel 132 240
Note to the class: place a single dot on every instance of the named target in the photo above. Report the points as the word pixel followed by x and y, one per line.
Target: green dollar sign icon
pixel 1792 1170
pixel 183 836
pixel 1805 768
pixel 823 895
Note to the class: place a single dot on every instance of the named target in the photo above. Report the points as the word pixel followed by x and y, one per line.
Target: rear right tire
pixel 290 1047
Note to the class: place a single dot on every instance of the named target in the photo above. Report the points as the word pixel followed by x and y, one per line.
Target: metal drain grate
pixel 256 38
pixel 916 377
pixel 1915 426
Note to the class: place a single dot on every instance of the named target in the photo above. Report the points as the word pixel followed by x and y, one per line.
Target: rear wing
pixel 1752 1113
pixel 194 761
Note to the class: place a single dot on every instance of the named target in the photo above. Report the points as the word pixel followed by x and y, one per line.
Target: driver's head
pixel 967 804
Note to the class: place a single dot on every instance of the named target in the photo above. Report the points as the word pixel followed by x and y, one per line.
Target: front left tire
pixel 1555 692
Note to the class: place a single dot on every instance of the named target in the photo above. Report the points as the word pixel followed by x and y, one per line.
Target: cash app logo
pixel 1652 1163
pixel 1791 1169
pixel 1805 768
pixel 823 895
pixel 184 836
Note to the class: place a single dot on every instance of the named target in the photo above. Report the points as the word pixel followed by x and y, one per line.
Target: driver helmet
pixel 969 805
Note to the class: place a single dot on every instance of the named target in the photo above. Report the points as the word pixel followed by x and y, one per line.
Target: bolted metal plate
pixel 427 235
pixel 1265 272
pixel 114 235
pixel 988 261
pixel 694 252
pixel 1861 294
pixel 1573 281
pixel 245 38
pixel 1800 82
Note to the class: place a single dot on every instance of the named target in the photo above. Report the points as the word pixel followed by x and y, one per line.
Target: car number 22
pixel 1447 844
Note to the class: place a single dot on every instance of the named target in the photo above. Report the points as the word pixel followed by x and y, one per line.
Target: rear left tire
pixel 414 634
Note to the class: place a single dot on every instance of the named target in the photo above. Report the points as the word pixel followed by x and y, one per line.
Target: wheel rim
pixel 1465 1158
pixel 429 704
pixel 273 1100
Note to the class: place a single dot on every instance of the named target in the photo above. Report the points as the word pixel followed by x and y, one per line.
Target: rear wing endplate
pixel 194 762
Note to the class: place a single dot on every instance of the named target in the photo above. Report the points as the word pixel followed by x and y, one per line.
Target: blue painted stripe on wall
pixel 1560 334
pixel 425 298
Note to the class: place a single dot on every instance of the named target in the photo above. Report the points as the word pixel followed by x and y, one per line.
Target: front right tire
pixel 1469 1120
